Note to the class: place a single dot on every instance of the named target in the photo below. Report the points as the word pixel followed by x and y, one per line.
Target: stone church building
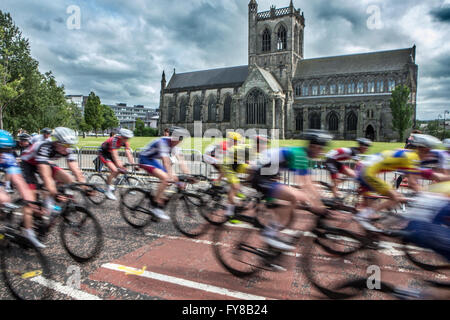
pixel 347 95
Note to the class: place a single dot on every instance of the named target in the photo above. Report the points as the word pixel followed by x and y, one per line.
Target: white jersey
pixel 39 138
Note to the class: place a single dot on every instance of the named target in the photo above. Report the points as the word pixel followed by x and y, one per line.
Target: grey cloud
pixel 43 26
pixel 441 14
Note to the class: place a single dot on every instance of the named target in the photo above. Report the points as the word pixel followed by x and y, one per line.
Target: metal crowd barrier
pixel 194 161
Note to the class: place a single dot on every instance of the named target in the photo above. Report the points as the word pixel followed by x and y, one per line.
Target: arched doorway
pixel 370 133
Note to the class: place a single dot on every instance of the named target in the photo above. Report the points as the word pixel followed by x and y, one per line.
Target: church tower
pixel 276 40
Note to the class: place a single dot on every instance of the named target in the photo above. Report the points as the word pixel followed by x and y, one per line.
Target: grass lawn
pixel 198 143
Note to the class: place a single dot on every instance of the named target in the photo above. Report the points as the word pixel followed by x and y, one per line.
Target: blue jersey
pixel 9 164
pixel 158 149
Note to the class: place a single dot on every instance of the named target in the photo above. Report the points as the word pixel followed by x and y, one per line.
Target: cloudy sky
pixel 122 47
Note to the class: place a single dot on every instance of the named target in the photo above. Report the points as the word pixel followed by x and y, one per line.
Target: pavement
pixel 159 263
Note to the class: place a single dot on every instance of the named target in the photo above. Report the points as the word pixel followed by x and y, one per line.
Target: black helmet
pixel 364 142
pixel 46 131
pixel 317 137
pixel 24 137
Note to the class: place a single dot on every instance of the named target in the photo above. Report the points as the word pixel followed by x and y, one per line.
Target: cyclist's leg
pixel 331 166
pixel 154 168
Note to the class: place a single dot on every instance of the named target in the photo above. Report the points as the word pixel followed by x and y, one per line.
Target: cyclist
pixel 44 136
pixel 162 149
pixel 334 159
pixel 9 165
pixel 217 153
pixel 236 162
pixel 109 156
pixel 296 159
pixel 21 145
pixel 428 226
pixel 39 159
pixel 402 160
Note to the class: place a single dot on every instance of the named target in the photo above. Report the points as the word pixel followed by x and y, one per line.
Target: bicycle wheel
pixel 135 207
pixel 215 209
pixel 340 235
pixel 187 218
pixel 425 259
pixel 81 234
pixel 335 276
pixel 130 182
pixel 236 249
pixel 99 183
pixel 25 270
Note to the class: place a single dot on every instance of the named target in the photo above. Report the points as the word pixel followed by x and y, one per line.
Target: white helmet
pixel 426 141
pixel 126 133
pixel 65 135
pixel 446 143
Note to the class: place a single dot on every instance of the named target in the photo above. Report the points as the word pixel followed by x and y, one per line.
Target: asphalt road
pixel 158 263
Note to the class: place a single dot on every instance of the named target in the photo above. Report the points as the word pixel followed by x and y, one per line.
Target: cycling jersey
pixel 40 138
pixel 334 157
pixel 429 216
pixel 342 154
pixel 44 152
pixel 9 164
pixel 113 143
pixel 437 158
pixel 293 159
pixel 154 151
pixel 214 154
pixel 405 161
pixel 272 162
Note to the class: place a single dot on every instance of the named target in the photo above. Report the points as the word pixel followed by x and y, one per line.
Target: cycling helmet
pixel 46 131
pixel 446 143
pixel 6 140
pixel 234 136
pixel 424 140
pixel 65 135
pixel 126 133
pixel 318 137
pixel 176 133
pixel 34 134
pixel 364 142
pixel 24 137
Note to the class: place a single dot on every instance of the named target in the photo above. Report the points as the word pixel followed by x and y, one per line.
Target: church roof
pixel 209 78
pixel 356 63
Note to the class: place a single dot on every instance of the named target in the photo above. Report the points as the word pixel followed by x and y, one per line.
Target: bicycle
pixel 125 180
pixel 136 208
pixel 79 229
pixel 25 270
pixel 239 248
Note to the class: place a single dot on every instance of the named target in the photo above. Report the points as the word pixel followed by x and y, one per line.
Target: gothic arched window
pixel 227 109
pixel 183 108
pixel 296 39
pixel 266 41
pixel 282 38
pixel 352 122
pixel 299 122
pixel 212 109
pixel 333 122
pixel 314 121
pixel 256 107
pixel 197 109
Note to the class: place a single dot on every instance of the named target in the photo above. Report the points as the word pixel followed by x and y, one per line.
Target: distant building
pixel 347 95
pixel 78 100
pixel 127 115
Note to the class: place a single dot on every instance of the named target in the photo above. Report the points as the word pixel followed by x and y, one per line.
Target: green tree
pixel 35 99
pixel 110 120
pixel 402 111
pixel 93 112
pixel 139 131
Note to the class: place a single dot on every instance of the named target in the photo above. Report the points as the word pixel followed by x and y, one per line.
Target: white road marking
pixel 386 251
pixel 69 291
pixel 185 283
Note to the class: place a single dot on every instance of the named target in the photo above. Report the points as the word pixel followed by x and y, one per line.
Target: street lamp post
pixel 439 117
pixel 444 135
